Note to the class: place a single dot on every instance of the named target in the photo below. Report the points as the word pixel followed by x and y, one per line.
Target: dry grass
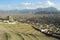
pixel 21 31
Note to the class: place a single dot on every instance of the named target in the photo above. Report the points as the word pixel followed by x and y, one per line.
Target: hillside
pixel 21 31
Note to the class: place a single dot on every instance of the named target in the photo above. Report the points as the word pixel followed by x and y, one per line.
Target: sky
pixel 28 4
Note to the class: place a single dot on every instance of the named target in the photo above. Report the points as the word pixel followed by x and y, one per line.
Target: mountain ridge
pixel 29 11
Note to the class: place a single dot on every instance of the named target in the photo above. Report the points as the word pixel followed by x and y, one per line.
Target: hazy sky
pixel 28 4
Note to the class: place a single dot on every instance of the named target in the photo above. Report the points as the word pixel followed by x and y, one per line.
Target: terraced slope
pixel 21 31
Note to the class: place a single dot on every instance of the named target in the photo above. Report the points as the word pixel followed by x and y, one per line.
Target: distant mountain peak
pixel 48 9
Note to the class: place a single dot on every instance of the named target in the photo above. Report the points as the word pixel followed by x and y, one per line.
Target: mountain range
pixel 48 9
